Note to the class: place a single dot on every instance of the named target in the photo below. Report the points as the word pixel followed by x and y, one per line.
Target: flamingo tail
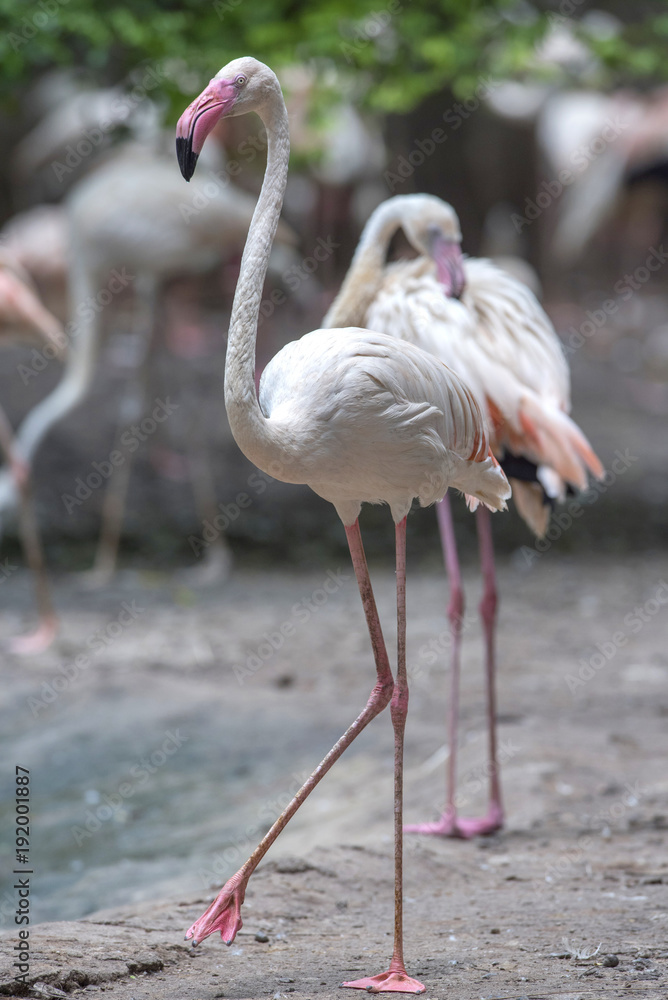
pixel 560 442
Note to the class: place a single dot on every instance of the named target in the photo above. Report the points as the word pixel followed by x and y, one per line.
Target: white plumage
pixel 497 337
pixel 372 420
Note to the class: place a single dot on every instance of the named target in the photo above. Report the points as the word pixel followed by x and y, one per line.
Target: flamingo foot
pixel 396 980
pixel 451 825
pixel 223 915
pixel 37 641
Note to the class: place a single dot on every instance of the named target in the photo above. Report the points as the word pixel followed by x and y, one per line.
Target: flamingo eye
pixel 240 81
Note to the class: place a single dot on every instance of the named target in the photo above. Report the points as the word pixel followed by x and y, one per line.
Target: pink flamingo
pixel 357 416
pixel 23 317
pixel 490 329
pixel 130 214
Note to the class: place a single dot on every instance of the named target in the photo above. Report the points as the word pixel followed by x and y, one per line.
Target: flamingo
pixel 346 150
pixel 488 327
pixel 23 317
pixel 131 214
pixel 623 175
pixel 357 416
pixel 38 240
pixel 75 131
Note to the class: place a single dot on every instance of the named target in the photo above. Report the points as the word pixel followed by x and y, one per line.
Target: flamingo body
pixel 500 341
pixel 496 336
pixel 22 315
pixel 133 211
pixel 368 419
pixel 38 239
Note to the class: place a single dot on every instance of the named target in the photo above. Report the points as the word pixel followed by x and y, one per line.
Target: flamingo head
pixel 239 87
pixel 432 227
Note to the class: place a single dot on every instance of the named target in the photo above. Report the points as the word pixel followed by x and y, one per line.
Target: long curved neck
pixel 249 426
pixel 365 273
pixel 83 336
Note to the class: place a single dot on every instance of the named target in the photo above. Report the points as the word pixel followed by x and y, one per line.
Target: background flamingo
pixel 46 163
pixel 490 329
pixel 38 239
pixel 23 317
pixel 347 153
pixel 356 415
pixel 132 214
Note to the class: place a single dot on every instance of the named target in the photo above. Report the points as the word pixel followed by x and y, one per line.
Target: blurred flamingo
pixel 24 318
pixel 344 151
pixel 131 216
pixel 76 129
pixel 38 239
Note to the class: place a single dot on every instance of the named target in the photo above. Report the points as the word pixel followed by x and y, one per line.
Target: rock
pixel 46 990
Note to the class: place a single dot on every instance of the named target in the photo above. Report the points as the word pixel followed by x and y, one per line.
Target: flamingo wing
pixel 502 344
pixel 373 419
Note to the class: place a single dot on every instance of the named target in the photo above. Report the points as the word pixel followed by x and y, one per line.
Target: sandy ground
pixel 158 762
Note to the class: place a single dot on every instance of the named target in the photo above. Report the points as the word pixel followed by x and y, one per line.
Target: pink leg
pixel 396 979
pixel 224 914
pixel 451 825
pixel 47 627
pixel 448 824
pixel 494 819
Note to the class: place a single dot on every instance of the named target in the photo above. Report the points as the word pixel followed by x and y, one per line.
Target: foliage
pixel 396 51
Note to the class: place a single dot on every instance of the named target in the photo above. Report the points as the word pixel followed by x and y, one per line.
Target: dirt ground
pixel 159 761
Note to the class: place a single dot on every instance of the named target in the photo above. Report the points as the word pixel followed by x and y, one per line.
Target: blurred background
pixel 545 125
pixel 519 94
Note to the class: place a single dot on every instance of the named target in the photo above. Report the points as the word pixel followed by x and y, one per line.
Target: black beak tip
pixel 187 159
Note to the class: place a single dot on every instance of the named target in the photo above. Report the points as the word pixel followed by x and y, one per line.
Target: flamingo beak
pixel 199 119
pixel 447 255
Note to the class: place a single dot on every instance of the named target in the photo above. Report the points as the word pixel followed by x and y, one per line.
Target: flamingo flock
pixel 428 375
